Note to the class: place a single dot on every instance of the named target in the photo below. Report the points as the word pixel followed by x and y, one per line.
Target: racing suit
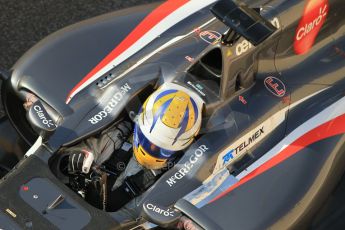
pixel 110 148
pixel 100 148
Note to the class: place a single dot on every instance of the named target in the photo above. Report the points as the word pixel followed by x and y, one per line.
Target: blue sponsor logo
pixel 228 156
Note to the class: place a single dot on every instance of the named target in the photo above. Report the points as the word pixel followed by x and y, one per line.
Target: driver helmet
pixel 167 123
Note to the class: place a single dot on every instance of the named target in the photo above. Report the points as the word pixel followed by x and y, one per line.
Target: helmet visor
pixel 148 146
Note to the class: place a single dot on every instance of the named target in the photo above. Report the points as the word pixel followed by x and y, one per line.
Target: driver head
pixel 168 122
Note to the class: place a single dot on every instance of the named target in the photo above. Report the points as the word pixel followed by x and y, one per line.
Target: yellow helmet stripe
pixel 174 115
pixel 158 104
pixel 191 117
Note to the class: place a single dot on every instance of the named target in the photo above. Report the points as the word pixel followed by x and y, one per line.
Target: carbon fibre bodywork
pixel 271 148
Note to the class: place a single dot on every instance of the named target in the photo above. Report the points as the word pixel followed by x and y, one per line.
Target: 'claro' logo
pixel 45 121
pixel 160 210
pixel 314 16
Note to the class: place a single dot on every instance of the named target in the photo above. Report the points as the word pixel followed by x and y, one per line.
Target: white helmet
pixel 168 122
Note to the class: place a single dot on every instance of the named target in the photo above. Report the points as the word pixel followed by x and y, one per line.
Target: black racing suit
pixel 105 144
pixel 115 177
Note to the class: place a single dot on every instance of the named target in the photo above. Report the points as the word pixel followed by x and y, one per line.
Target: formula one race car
pixel 267 154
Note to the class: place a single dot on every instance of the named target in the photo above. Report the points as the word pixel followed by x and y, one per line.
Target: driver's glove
pixel 80 162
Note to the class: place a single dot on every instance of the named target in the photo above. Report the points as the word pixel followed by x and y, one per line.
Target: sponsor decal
pixel 210 36
pixel 111 105
pixel 197 87
pixel 188 166
pixel 213 187
pixel 43 116
pixel 159 210
pixel 314 16
pixel 243 146
pixel 275 22
pixel 189 58
pixel 242 99
pixel 328 123
pixel 275 86
pixel 245 45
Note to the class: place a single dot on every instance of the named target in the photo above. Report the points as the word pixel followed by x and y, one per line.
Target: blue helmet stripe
pixel 164 94
pixel 195 107
pixel 160 113
pixel 183 125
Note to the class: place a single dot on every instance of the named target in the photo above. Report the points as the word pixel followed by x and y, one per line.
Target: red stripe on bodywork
pixel 331 128
pixel 147 24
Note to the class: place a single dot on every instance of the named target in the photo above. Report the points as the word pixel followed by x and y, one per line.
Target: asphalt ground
pixel 25 22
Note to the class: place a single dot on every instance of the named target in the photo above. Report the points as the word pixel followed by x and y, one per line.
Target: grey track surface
pixel 25 22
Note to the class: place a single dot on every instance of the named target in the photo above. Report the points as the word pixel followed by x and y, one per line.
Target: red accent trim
pixel 331 128
pixel 147 24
